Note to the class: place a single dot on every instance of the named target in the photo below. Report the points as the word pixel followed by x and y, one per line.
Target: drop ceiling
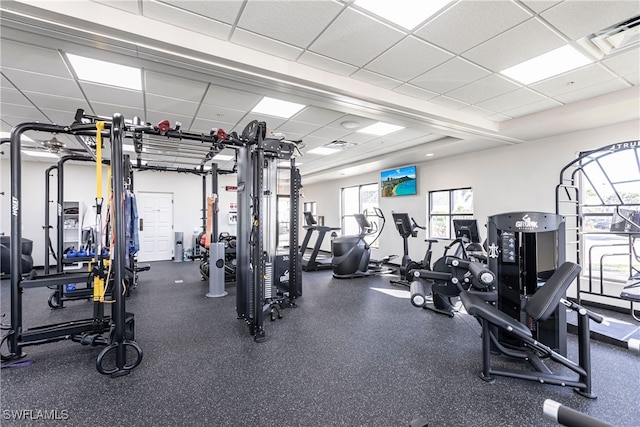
pixel 206 64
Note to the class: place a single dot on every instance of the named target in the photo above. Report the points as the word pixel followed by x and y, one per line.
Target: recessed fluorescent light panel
pixel 380 129
pixel 323 151
pixel 277 107
pixel 406 13
pixel 44 154
pixel 223 157
pixel 108 73
pixel 549 64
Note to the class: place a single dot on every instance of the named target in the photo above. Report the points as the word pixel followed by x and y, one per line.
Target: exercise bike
pixel 407 227
pixel 352 254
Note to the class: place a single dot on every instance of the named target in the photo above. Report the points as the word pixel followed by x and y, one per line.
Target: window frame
pixel 449 215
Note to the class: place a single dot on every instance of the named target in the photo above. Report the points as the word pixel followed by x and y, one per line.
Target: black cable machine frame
pixel 120 325
pixel 569 202
pixel 259 288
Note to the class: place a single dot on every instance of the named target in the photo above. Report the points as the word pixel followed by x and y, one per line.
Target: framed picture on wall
pixel 233 218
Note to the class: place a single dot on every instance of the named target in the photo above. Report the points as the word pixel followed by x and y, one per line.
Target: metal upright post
pixel 47 225
pixel 119 247
pixel 214 190
pixel 257 165
pixel 294 253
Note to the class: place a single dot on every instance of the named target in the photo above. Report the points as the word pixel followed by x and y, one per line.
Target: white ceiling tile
pixel 108 110
pixel 231 98
pixel 220 10
pixel 30 58
pixel 482 89
pixel 633 78
pixel 408 59
pixel 203 125
pixel 60 117
pixel 272 122
pixel 358 138
pixel 511 100
pixel 540 5
pixel 326 64
pixel 450 75
pixel 498 117
pixel 4 82
pixel 212 112
pixel 313 142
pixel 449 102
pixel 470 23
pixel 592 91
pixel 573 80
pixel 265 44
pixel 126 5
pixel 626 62
pixel 16 114
pixel 407 134
pixel 155 117
pixel 187 20
pixel 579 19
pixel 171 105
pixel 376 79
pixel 297 23
pixel 42 83
pixel 330 133
pixel 351 118
pixel 355 38
pixel 523 42
pixel 477 111
pixel 299 128
pixel 545 104
pixel 13 96
pixel 113 95
pixel 52 102
pixel 414 91
pixel 317 116
pixel 173 86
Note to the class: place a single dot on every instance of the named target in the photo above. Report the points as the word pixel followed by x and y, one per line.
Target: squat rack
pixel 588 169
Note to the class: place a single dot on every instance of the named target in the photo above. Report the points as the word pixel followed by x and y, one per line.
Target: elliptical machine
pixel 352 254
pixel 407 227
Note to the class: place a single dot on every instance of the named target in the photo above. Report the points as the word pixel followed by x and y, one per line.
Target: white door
pixel 155 212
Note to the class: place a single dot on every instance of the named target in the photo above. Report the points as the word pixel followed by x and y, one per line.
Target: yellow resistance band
pixel 98 282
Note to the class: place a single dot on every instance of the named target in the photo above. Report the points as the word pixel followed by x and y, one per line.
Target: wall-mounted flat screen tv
pixel 398 182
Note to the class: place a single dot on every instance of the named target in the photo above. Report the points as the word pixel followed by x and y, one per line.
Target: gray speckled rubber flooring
pixel 348 355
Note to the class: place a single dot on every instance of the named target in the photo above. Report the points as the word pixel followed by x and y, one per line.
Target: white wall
pixel 80 185
pixel 506 179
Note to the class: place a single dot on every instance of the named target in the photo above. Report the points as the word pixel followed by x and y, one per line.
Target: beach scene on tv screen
pixel 399 182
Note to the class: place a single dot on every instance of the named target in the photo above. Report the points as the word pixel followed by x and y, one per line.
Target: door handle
pixel 141 225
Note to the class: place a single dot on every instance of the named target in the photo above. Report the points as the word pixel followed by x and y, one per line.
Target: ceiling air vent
pixel 340 145
pixel 613 39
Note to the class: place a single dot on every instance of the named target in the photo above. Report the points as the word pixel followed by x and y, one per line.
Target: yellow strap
pixel 99 129
pixel 108 184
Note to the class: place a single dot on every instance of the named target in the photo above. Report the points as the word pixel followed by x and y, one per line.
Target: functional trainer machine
pixel 313 262
pixel 267 281
pixel 116 332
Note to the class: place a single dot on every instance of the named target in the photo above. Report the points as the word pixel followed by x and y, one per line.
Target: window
pixel 310 207
pixel 444 207
pixel 609 181
pixel 355 200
